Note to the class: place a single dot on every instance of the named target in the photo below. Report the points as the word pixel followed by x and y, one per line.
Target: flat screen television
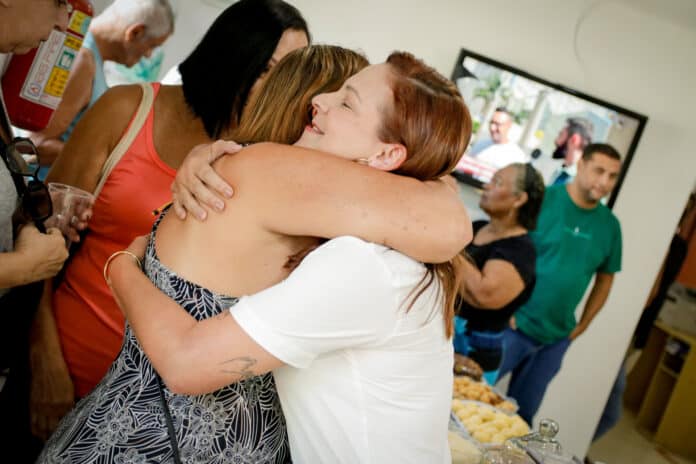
pixel 539 111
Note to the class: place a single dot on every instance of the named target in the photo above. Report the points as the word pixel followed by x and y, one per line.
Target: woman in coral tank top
pixel 217 80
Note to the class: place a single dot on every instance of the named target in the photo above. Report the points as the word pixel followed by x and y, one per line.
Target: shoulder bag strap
pixel 127 139
pixel 170 423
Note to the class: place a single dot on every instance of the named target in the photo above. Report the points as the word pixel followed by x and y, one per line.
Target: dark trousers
pixel 533 365
pixel 17 310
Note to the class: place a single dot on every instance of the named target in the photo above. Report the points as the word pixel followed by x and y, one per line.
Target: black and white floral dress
pixel 122 421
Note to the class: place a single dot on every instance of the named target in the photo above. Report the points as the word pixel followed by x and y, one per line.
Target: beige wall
pixel 637 58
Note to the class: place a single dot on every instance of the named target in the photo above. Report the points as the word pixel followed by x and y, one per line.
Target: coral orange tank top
pixel 90 324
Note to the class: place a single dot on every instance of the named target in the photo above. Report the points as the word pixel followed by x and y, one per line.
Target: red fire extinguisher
pixel 33 84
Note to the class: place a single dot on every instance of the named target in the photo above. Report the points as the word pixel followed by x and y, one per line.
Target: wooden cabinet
pixel 661 389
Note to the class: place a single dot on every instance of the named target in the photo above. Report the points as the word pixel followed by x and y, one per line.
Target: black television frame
pixel 627 158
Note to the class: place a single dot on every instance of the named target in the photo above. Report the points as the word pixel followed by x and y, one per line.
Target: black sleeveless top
pixel 518 251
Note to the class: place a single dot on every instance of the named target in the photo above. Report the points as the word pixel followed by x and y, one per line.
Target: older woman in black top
pixel 500 270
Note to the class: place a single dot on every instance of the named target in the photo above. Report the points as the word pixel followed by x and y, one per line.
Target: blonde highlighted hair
pixel 281 108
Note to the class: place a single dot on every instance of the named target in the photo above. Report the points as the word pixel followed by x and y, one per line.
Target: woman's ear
pixel 390 158
pixel 521 200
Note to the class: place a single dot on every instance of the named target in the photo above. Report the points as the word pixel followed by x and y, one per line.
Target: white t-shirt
pixel 500 155
pixel 479 146
pixel 366 380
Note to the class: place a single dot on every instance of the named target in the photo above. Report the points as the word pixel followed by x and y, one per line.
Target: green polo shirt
pixel 572 245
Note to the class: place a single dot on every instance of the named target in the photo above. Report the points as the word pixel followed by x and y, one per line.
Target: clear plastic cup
pixel 69 203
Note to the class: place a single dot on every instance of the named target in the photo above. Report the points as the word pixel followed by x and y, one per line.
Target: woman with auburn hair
pixel 358 336
pixel 235 420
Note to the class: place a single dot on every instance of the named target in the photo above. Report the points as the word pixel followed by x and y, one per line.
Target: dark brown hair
pixel 218 75
pixel 603 148
pixel 530 181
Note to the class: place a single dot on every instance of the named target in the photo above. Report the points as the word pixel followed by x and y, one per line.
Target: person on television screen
pixel 570 143
pixel 498 151
pixel 576 238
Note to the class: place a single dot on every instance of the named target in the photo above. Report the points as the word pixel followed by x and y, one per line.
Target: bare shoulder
pixel 113 111
pixel 104 123
pixel 120 101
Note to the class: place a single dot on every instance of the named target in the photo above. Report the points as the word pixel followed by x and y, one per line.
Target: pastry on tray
pixel 486 424
pixel 468 389
pixel 467 366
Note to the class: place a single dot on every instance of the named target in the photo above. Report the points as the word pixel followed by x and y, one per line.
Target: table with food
pixel 485 428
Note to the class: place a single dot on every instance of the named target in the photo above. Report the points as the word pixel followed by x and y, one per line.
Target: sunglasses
pixel 35 200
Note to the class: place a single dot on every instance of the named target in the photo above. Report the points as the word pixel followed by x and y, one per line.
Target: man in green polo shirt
pixel 576 238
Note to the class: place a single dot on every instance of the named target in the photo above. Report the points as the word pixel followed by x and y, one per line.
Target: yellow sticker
pixel 56 82
pixel 73 41
pixel 79 22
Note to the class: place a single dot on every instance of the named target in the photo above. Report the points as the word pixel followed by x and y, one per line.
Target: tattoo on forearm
pixel 242 367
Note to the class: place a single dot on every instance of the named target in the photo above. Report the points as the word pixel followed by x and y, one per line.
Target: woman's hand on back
pixel 197 186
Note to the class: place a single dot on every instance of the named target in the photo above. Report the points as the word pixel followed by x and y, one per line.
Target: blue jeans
pixel 614 407
pixel 533 365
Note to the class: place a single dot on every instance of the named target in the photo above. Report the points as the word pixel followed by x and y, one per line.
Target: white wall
pixel 637 57
pixel 99 6
pixel 192 20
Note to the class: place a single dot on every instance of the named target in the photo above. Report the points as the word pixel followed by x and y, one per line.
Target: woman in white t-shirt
pixel 358 335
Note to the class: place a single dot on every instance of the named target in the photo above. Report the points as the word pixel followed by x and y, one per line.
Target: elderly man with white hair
pixel 124 32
